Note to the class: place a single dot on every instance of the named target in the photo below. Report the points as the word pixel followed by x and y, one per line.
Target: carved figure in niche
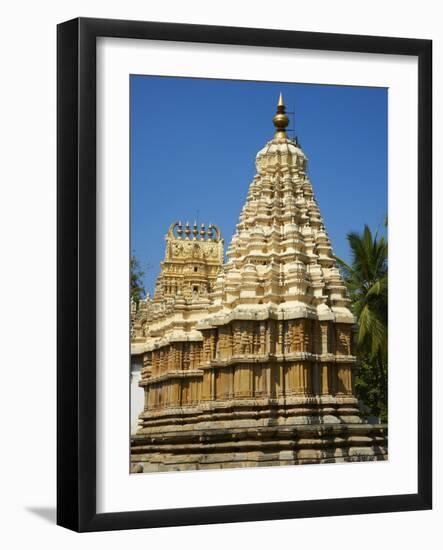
pixel 343 342
pixel 296 337
pixel 195 251
pixel 237 342
pixel 207 349
pixel 287 339
pixel 245 342
pixel 177 249
pixel 186 357
pixel 262 338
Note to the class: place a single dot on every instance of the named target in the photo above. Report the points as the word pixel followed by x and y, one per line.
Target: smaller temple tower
pixel 192 259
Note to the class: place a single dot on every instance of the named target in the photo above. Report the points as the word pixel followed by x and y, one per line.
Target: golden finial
pixel 280 119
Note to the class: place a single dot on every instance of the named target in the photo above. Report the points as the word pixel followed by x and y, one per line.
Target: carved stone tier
pixel 257 445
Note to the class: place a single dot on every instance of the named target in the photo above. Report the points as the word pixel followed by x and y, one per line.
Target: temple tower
pixel 271 380
pixel 192 259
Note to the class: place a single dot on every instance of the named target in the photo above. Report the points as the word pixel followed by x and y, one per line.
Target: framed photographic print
pixel 244 274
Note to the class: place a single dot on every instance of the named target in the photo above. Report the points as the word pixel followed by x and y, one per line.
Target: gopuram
pixel 250 362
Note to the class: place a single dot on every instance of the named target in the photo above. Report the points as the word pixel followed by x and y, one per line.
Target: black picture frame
pixel 76 265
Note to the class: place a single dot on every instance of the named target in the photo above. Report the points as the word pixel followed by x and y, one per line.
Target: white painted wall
pixel 137 393
pixel 27 227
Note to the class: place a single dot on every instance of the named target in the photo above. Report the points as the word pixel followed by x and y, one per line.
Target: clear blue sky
pixel 193 147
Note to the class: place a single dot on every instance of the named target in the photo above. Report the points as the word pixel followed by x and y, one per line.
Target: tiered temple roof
pixel 193 257
pixel 280 258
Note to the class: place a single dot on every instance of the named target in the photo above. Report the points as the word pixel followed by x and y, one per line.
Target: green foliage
pixel 137 288
pixel 371 387
pixel 367 282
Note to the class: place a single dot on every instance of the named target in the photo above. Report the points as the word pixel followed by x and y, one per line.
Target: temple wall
pixel 251 359
pixel 138 396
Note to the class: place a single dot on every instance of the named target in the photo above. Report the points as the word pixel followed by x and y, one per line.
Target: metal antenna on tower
pixel 292 129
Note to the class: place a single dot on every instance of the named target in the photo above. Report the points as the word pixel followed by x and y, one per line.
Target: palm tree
pixel 367 282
